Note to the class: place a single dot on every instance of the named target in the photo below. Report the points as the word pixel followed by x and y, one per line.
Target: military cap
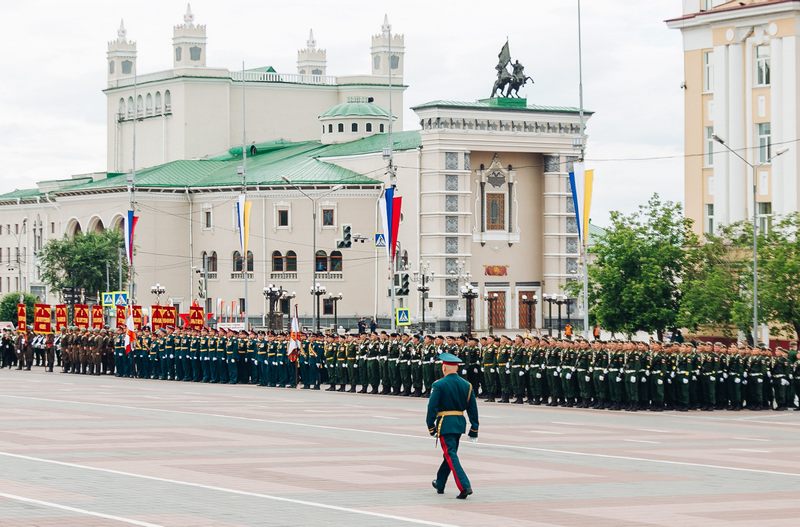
pixel 449 358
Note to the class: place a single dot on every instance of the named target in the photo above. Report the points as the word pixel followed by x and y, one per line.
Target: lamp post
pixel 317 290
pixel 158 290
pixel 335 299
pixel 423 277
pixel 754 168
pixel 20 258
pixel 560 300
pixel 273 294
pixel 530 302
pixel 469 293
pixel 550 299
pixel 313 200
pixel 491 298
pixel 289 296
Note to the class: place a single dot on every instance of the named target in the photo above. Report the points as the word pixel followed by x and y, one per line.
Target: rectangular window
pixel 327 306
pixel 764 142
pixel 495 212
pixel 327 218
pixel 709 157
pixel 207 219
pixel 709 223
pixel 451 224
pixel 764 217
pixel 451 245
pixel 451 160
pixel 16 228
pixel 708 72
pixel 451 203
pixel 762 65
pixel 52 227
pixel 572 225
pixel 451 182
pixel 242 306
pixel 283 218
pixel 572 266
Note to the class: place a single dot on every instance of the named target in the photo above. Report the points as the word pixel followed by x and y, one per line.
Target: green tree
pixel 8 307
pixel 80 262
pixel 778 272
pixel 638 265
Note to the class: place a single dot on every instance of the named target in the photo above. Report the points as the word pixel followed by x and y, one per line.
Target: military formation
pixel 611 375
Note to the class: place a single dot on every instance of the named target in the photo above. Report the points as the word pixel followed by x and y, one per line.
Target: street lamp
pixel 491 298
pixel 335 299
pixel 560 300
pixel 754 168
pixel 158 290
pixel 288 296
pixel 550 299
pixel 530 302
pixel 273 294
pixel 424 276
pixel 317 290
pixel 469 293
pixel 313 231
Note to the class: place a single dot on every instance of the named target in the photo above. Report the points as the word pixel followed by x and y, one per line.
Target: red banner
pixel 97 316
pixel 163 316
pixel 22 318
pixel 121 316
pixel 42 319
pixel 137 318
pixel 81 316
pixel 61 317
pixel 196 317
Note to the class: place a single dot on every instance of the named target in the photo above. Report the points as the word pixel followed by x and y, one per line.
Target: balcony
pixel 294 78
pixel 329 275
pixel 211 275
pixel 240 275
pixel 283 275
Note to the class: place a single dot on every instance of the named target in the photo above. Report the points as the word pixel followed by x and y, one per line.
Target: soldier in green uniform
pixel 658 373
pixel 404 365
pixel 599 364
pixel 341 363
pixel 351 361
pixel 781 382
pixel 553 373
pixel 232 354
pixel 415 350
pixel 504 368
pixel 633 363
pixel 517 362
pixel 450 397
pixel 262 361
pixel 569 384
pixel 392 364
pixel 616 376
pixel 584 373
pixel 362 364
pixel 383 363
pixel 329 350
pixel 428 364
pixel 489 370
pixel 535 371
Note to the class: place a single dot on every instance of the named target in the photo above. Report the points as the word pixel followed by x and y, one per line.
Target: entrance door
pixel 524 321
pixel 497 311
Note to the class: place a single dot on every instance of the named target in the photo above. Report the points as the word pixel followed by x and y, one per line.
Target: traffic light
pixel 347 237
pixel 404 286
pixel 201 290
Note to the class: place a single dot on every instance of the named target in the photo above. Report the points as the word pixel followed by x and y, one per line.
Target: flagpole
pixel 583 152
pixel 132 189
pixel 243 213
pixel 392 182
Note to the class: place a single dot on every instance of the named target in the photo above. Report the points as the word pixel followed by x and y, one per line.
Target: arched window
pixel 195 52
pixel 212 262
pixel 330 128
pixel 167 102
pixel 121 109
pixel 203 260
pixel 354 127
pixel 321 262
pixel 380 128
pixel 336 261
pixel 277 262
pixel 139 106
pixel 249 261
pixel 148 105
pixel 158 102
pixel 369 127
pixel 130 107
pixel 291 261
pixel 341 127
pixel 237 262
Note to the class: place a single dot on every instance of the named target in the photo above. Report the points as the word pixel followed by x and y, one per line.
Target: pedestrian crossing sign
pixel 402 316
pixel 380 240
pixel 115 298
pixel 108 299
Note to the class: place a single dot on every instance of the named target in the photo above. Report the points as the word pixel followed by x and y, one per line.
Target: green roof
pixel 355 109
pixel 488 104
pixel 24 193
pixel 375 143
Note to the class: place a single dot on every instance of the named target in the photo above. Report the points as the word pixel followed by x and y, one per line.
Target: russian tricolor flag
pixel 130 226
pixel 390 207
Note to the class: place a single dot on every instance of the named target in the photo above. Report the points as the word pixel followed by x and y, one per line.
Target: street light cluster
pixel 158 290
pixel 469 293
pixel 558 300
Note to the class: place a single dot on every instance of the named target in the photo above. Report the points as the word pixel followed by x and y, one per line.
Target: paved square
pixel 100 451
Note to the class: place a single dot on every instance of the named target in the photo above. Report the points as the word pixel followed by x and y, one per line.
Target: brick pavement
pixel 87 451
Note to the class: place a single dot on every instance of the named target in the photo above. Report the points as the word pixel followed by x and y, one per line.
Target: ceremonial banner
pixel 294 338
pixel 121 316
pixel 22 318
pixel 80 317
pixel 130 332
pixel 97 316
pixel 130 225
pixel 137 318
pixel 170 316
pixel 243 222
pixel 390 208
pixel 61 317
pixel 196 317
pixel 163 316
pixel 42 319
pixel 581 182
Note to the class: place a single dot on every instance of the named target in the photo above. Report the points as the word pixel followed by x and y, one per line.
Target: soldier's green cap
pixel 449 358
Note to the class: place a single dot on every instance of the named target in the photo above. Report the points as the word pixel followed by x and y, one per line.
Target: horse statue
pixel 503 79
pixel 517 80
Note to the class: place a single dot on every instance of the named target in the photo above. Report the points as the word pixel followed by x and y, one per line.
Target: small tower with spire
pixel 189 42
pixel 121 56
pixel 310 60
pixel 382 59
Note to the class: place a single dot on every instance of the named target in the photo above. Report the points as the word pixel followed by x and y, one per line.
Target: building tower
pixel 189 42
pixel 380 51
pixel 311 61
pixel 121 56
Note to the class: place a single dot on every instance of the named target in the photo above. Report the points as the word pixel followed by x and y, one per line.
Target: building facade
pixel 741 79
pixel 484 184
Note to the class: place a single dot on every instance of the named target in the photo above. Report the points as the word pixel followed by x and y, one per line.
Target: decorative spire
pixel 311 43
pixel 386 27
pixel 122 32
pixel 189 16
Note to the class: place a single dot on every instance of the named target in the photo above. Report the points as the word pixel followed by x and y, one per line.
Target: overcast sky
pixel 52 110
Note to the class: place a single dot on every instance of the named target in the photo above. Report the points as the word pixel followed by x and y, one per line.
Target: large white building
pixel 741 84
pixel 484 186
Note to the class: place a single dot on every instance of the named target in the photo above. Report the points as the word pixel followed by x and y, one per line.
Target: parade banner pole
pixel 583 152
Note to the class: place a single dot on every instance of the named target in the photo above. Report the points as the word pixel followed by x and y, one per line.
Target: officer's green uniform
pixel 428 364
pixel 392 366
pixel 404 367
pixel 600 381
pixel 341 365
pixel 489 370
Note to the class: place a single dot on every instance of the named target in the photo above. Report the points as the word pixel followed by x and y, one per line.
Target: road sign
pixel 380 240
pixel 402 316
pixel 115 298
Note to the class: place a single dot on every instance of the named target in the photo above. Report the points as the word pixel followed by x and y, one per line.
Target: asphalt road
pixel 101 451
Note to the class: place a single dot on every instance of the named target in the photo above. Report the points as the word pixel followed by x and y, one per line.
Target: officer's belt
pixel 450 412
